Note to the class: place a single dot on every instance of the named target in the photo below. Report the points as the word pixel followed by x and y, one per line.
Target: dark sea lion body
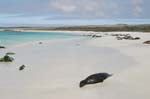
pixel 95 78
pixel 147 42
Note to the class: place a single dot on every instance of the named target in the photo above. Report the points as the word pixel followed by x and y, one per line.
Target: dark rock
pixel 119 38
pixel 120 34
pixel 114 34
pixel 22 67
pixel 126 37
pixel 137 38
pixel 40 42
pixel 96 36
pixel 2 47
pixel 93 35
pixel 88 35
pixel 95 78
pixel 147 42
pixel 10 53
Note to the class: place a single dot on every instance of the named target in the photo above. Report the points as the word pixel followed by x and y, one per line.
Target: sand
pixel 55 68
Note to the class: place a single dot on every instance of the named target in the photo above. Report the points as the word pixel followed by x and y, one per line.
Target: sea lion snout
pixel 109 75
pixel 82 83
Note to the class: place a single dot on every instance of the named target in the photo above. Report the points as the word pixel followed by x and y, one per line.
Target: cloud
pixel 137 7
pixel 76 9
pixel 66 6
pixel 90 8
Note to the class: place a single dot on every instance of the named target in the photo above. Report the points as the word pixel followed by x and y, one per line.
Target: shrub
pixel 6 58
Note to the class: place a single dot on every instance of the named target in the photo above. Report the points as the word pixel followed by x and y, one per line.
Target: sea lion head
pixel 82 83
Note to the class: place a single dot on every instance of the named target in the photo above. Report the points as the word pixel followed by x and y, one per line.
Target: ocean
pixel 8 38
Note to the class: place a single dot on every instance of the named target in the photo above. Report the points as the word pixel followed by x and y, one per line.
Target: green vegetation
pixel 6 58
pixel 98 28
pixel 108 28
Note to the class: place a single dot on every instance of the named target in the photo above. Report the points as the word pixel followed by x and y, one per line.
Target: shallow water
pixel 15 37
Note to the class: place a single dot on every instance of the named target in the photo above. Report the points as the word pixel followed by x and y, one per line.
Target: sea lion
pixel 95 78
pixel 22 67
pixel 147 42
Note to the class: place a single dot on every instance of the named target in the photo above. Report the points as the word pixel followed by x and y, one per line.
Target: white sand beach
pixel 55 68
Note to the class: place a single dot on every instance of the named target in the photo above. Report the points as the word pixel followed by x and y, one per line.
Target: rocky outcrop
pixel 125 37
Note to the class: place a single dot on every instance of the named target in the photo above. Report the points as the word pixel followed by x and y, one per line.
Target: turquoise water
pixel 14 37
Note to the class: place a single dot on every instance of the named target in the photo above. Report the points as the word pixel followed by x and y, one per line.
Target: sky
pixel 67 12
